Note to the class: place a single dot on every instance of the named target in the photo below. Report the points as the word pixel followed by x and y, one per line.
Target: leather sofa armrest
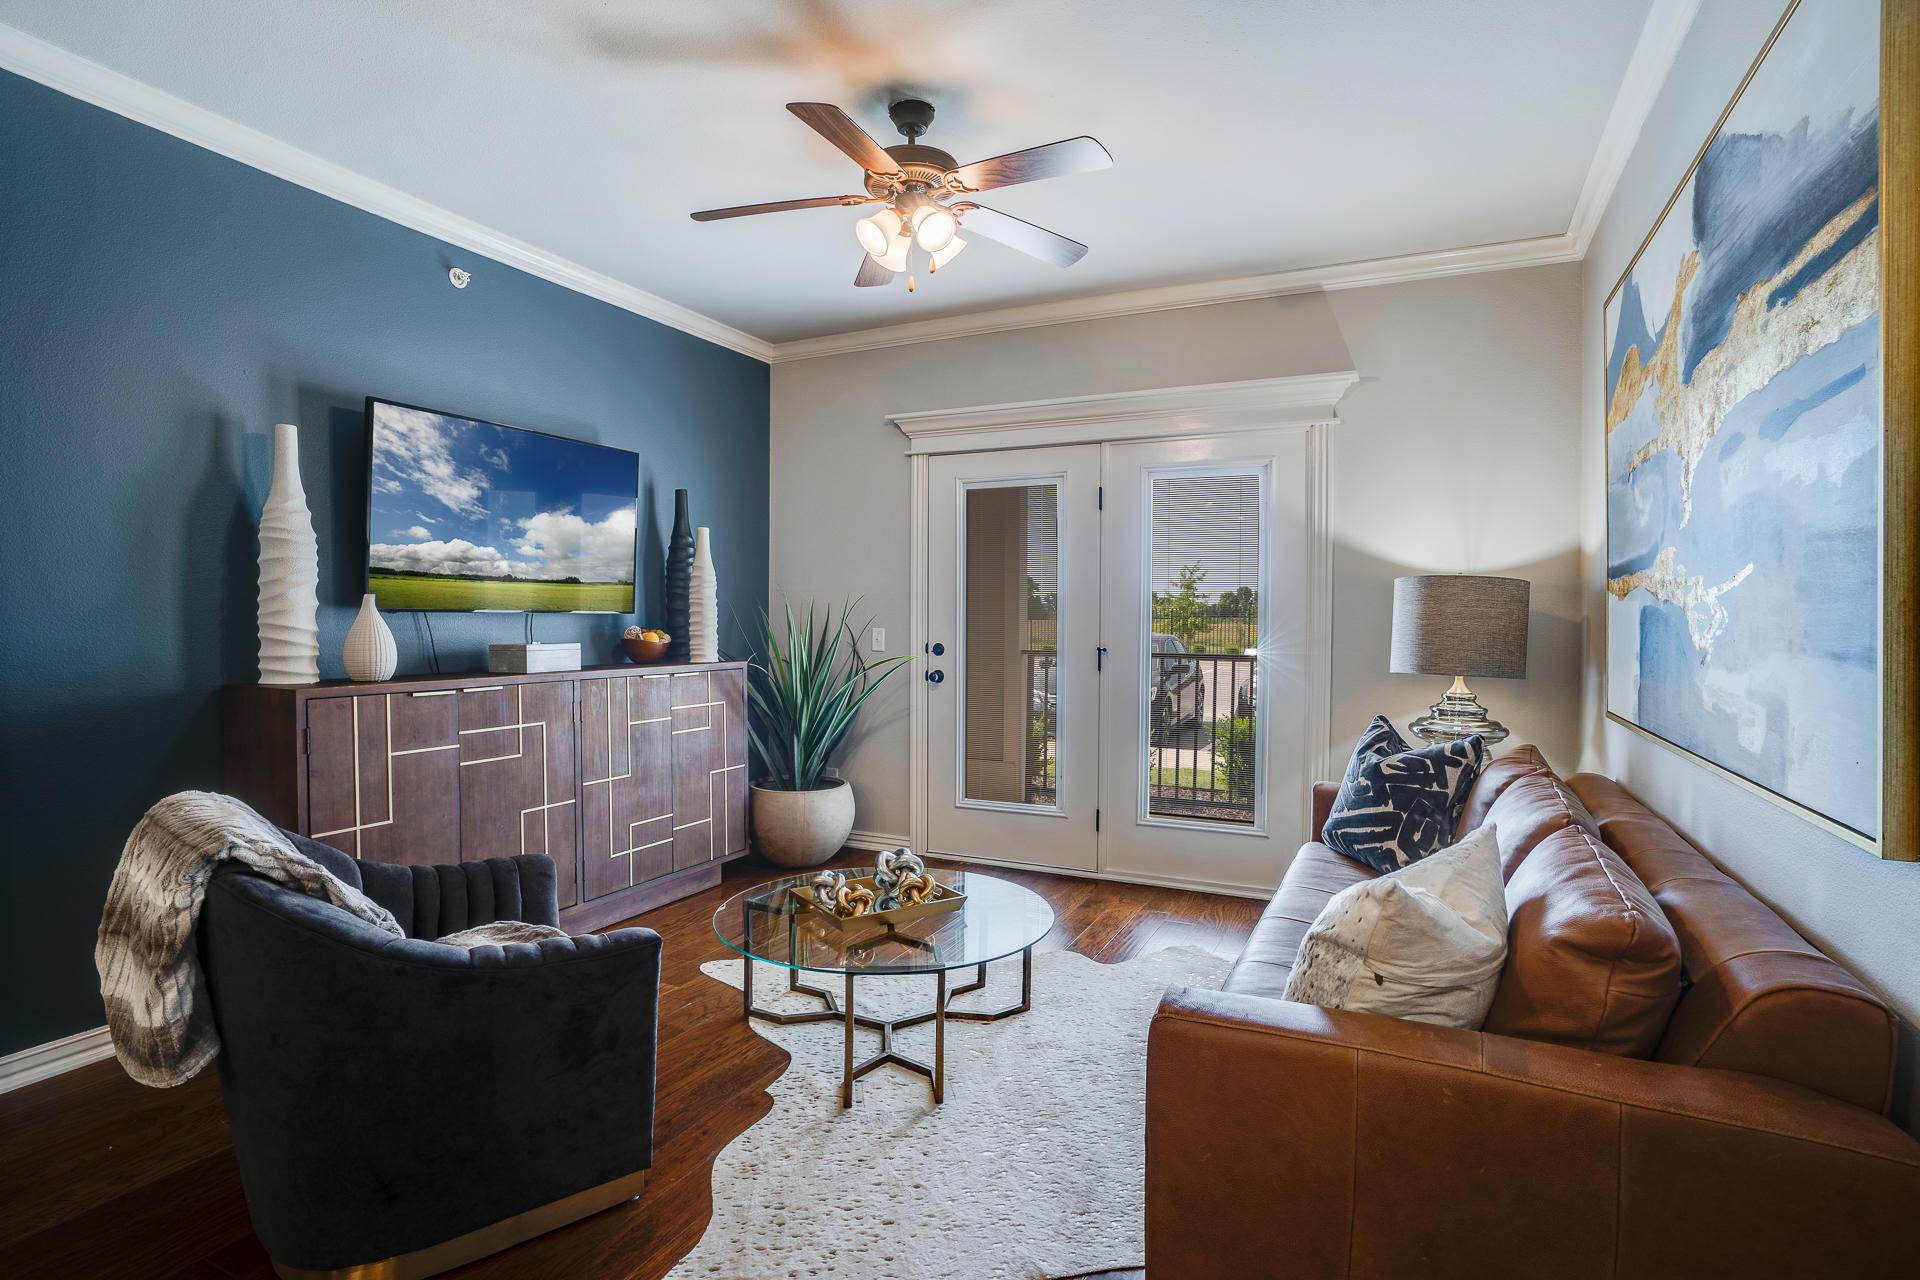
pixel 1286 1139
pixel 1323 796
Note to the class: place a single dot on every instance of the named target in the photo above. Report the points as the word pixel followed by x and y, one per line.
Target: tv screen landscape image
pixel 463 515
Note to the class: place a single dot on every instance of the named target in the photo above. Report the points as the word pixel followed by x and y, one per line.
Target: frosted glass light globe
pixel 877 233
pixel 934 227
pixel 948 254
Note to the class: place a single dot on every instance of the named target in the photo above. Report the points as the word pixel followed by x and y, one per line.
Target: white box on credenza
pixel 530 659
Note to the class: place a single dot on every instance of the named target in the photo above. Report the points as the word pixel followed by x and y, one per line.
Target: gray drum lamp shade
pixel 1460 624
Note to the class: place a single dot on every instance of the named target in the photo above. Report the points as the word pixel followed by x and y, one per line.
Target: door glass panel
pixel 1202 647
pixel 1011 572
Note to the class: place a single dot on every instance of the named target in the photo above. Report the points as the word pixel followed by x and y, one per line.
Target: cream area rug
pixel 1032 1167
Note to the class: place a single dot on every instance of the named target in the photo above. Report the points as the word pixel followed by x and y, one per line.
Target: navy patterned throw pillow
pixel 1397 804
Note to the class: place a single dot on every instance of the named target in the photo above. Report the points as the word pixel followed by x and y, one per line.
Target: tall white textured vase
pixel 371 653
pixel 703 624
pixel 289 572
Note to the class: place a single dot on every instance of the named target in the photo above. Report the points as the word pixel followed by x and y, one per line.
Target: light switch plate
pixel 879 640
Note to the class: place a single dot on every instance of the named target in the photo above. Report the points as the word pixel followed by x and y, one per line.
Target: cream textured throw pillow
pixel 1426 942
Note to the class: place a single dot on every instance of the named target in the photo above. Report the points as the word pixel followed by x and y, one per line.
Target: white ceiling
pixel 1248 137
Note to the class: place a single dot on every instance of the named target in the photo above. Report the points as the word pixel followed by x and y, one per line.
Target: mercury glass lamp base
pixel 1458 715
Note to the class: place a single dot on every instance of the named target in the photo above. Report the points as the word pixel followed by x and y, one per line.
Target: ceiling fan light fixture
pixel 879 233
pixel 895 258
pixel 951 250
pixel 934 227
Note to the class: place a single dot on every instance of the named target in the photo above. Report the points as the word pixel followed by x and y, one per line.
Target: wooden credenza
pixel 633 779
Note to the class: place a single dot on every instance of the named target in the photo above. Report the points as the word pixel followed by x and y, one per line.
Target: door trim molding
pixel 1306 402
pixel 1203 409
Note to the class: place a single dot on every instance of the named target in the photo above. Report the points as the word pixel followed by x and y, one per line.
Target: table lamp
pixel 1459 625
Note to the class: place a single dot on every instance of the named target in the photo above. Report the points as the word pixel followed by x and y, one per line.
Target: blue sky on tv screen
pixel 451 495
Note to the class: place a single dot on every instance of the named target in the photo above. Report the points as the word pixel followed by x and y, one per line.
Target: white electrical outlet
pixel 879 640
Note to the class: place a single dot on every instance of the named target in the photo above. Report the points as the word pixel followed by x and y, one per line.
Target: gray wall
pixel 1862 911
pixel 1458 451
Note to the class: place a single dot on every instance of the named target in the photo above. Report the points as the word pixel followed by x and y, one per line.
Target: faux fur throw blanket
pixel 150 977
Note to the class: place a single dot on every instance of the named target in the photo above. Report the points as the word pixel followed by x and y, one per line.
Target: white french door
pixel 1205 696
pixel 1119 657
pixel 1013 709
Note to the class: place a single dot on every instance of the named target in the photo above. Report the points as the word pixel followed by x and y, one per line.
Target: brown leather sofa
pixel 1672 1083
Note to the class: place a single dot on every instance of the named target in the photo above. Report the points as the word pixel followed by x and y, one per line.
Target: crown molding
pixel 82 78
pixel 1660 39
pixel 1302 400
pixel 1345 275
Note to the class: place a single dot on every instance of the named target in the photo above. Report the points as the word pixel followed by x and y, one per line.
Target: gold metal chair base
pixel 476 1244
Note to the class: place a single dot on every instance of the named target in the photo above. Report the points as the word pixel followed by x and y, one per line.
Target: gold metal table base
pixel 836 1011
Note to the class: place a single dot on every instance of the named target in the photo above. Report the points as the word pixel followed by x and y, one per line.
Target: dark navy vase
pixel 677 591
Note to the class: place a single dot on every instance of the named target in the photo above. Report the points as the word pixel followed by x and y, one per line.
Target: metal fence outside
pixel 1200 750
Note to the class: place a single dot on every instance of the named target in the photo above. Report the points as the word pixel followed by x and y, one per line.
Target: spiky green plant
pixel 806 691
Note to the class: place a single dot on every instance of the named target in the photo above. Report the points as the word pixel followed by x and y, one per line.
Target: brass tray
pixel 945 899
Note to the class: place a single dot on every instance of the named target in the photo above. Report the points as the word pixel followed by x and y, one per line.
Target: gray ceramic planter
pixel 802 828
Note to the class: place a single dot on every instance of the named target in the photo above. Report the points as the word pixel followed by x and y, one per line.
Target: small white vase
pixel 289 572
pixel 703 623
pixel 371 653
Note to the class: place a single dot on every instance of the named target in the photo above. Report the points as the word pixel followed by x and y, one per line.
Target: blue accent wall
pixel 161 307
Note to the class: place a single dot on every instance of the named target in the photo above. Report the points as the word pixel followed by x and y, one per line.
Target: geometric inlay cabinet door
pixel 516 776
pixel 383 776
pixel 730 687
pixel 632 779
pixel 626 787
pixel 709 766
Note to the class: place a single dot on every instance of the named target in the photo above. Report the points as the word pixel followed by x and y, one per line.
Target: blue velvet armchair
pixel 400 1106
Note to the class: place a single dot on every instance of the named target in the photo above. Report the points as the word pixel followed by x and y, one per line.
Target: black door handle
pixel 936 676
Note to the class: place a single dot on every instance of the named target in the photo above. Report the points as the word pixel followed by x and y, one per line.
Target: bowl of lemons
pixel 645 644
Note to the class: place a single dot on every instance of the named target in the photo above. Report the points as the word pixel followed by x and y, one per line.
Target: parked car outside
pixel 1176 691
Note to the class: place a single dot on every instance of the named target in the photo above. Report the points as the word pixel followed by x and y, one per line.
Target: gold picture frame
pixel 1897 835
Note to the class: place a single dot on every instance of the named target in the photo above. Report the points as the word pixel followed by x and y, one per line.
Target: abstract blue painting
pixel 1743 421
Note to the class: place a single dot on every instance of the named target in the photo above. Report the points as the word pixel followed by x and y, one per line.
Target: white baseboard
pixel 1156 882
pixel 875 840
pixel 44 1061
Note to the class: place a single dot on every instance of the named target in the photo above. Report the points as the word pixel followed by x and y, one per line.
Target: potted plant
pixel 805 692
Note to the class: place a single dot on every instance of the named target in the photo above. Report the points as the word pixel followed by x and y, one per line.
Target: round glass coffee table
pixel 998 919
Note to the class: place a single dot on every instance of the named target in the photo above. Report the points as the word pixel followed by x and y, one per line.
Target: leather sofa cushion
pixel 1501 772
pixel 1591 961
pixel 1266 962
pixel 1761 998
pixel 1528 810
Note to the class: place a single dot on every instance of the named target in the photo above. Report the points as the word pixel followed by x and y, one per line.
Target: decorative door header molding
pixel 1204 409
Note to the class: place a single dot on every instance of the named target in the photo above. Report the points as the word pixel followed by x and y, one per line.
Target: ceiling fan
pixel 918 185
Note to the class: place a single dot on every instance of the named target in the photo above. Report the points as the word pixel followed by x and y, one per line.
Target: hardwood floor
pixel 100 1177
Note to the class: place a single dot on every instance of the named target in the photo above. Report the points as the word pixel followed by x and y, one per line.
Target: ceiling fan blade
pixel 837 127
pixel 1024 236
pixel 776 206
pixel 1055 160
pixel 871 273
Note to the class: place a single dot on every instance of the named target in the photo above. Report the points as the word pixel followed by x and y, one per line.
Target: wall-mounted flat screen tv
pixel 464 514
